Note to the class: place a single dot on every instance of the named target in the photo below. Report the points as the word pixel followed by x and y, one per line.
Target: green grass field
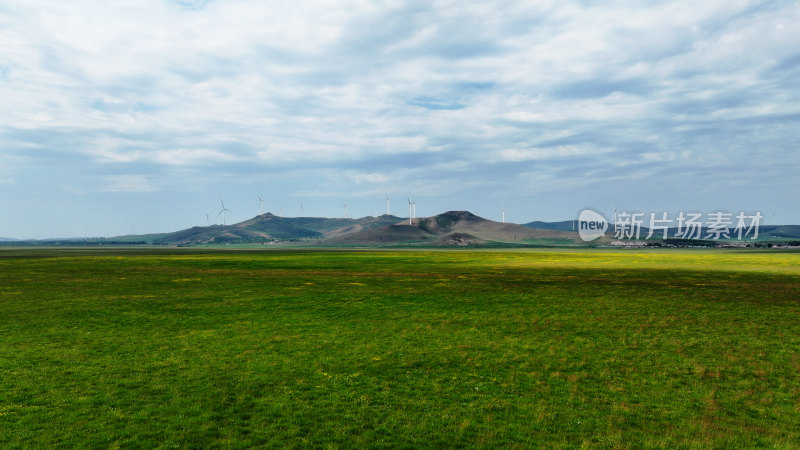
pixel 198 348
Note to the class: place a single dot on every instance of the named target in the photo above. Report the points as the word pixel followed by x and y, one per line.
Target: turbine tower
pixel 301 209
pixel 345 210
pixel 504 215
pixel 222 211
pixel 260 203
pixel 409 211
pixel 208 221
pixel 387 204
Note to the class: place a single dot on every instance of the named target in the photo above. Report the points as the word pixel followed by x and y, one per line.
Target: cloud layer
pixel 542 106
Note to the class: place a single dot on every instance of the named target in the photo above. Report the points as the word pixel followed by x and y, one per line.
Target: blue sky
pixel 138 116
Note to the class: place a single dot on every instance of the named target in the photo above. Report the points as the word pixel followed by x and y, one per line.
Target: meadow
pixel 337 349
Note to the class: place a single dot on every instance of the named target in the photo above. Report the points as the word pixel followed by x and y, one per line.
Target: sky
pixel 122 117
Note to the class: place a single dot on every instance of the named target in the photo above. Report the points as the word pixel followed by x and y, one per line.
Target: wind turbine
pixel 504 215
pixel 387 204
pixel 222 211
pixel 260 203
pixel 345 210
pixel 414 203
pixel 301 209
pixel 409 211
pixel 208 221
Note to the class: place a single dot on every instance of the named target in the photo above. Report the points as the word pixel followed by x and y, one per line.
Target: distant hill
pixel 269 227
pixel 765 232
pixel 564 225
pixel 453 228
pixel 780 231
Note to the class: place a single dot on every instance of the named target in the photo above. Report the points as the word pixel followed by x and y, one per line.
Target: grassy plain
pixel 188 348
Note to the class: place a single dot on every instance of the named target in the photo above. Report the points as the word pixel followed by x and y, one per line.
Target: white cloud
pixel 130 183
pixel 564 151
pixel 368 178
pixel 667 156
pixel 443 90
pixel 184 157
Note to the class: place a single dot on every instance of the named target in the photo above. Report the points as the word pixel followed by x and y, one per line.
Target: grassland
pixel 190 348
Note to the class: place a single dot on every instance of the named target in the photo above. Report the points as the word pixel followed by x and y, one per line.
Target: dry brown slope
pixel 450 228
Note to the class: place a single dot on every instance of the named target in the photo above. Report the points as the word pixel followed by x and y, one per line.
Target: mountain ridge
pixel 450 228
pixel 269 227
